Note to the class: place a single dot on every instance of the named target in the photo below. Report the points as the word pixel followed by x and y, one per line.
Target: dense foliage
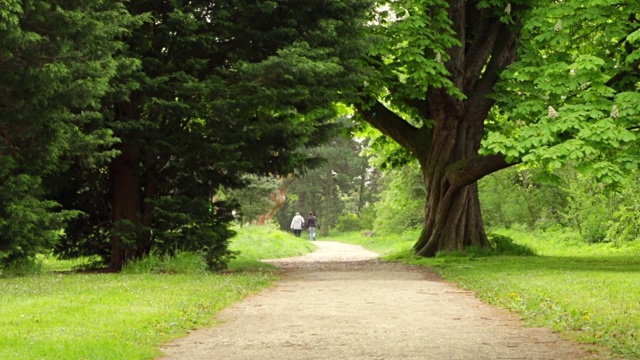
pixel 196 94
pixel 572 205
pixel 401 204
pixel 56 59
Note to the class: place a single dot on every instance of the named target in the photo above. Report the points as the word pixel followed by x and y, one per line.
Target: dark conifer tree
pixel 223 89
pixel 55 64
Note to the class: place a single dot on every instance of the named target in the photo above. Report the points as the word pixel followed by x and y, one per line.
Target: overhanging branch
pixel 391 124
pixel 470 170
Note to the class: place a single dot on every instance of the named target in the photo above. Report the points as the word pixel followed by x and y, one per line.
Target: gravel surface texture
pixel 340 302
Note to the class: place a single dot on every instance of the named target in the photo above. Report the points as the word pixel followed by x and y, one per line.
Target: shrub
pixel 626 225
pixel 367 217
pixel 348 222
pixel 504 245
pixel 500 246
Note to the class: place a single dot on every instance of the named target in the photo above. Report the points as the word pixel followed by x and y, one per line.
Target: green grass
pixel 588 292
pixel 265 242
pixel 388 246
pixel 128 315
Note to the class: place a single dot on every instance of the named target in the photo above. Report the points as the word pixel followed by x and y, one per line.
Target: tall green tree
pixel 56 60
pixel 224 89
pixel 471 87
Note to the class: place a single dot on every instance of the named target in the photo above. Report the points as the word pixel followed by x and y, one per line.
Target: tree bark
pixel 148 207
pixel 453 222
pixel 127 205
pixel 452 211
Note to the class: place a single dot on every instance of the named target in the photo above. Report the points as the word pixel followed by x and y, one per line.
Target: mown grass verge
pixel 591 293
pixel 57 315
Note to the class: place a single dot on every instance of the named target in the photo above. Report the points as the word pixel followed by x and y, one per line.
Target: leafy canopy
pixel 573 95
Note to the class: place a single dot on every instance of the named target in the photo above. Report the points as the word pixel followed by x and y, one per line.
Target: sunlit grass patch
pixel 595 299
pixel 110 316
pixel 256 243
pixel 388 246
pixel 61 314
pixel 588 291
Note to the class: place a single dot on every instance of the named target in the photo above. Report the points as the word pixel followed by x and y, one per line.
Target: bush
pixel 500 246
pixel 348 222
pixel 589 208
pixel 504 245
pixel 367 217
pixel 626 225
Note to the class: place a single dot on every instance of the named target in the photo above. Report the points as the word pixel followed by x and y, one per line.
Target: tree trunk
pixel 452 222
pixel 127 205
pixel 361 190
pixel 452 212
pixel 148 207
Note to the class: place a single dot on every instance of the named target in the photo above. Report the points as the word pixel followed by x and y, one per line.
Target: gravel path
pixel 340 302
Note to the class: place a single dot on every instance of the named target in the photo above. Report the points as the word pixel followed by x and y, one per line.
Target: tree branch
pixel 470 170
pixel 419 105
pixel 478 54
pixel 455 65
pixel 389 123
pixel 502 55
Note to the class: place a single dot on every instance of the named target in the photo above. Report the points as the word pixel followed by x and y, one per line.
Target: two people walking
pixel 298 223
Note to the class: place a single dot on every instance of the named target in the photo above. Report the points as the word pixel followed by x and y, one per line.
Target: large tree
pixel 221 89
pixel 472 87
pixel 56 59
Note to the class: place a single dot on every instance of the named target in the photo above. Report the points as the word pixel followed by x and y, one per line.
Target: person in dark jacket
pixel 312 225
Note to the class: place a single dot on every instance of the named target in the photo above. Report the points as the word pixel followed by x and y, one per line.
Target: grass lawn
pixel 590 293
pixel 128 316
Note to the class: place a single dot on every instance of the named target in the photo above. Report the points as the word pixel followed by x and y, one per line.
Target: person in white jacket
pixel 297 223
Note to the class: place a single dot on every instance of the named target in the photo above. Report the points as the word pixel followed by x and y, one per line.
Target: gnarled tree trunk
pixel 452 210
pixel 448 150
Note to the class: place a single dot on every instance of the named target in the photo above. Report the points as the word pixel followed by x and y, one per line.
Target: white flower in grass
pixel 558 26
pixel 507 10
pixel 438 58
pixel 615 113
pixel 552 112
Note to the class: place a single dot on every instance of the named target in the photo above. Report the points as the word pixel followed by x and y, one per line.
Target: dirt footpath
pixel 341 303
